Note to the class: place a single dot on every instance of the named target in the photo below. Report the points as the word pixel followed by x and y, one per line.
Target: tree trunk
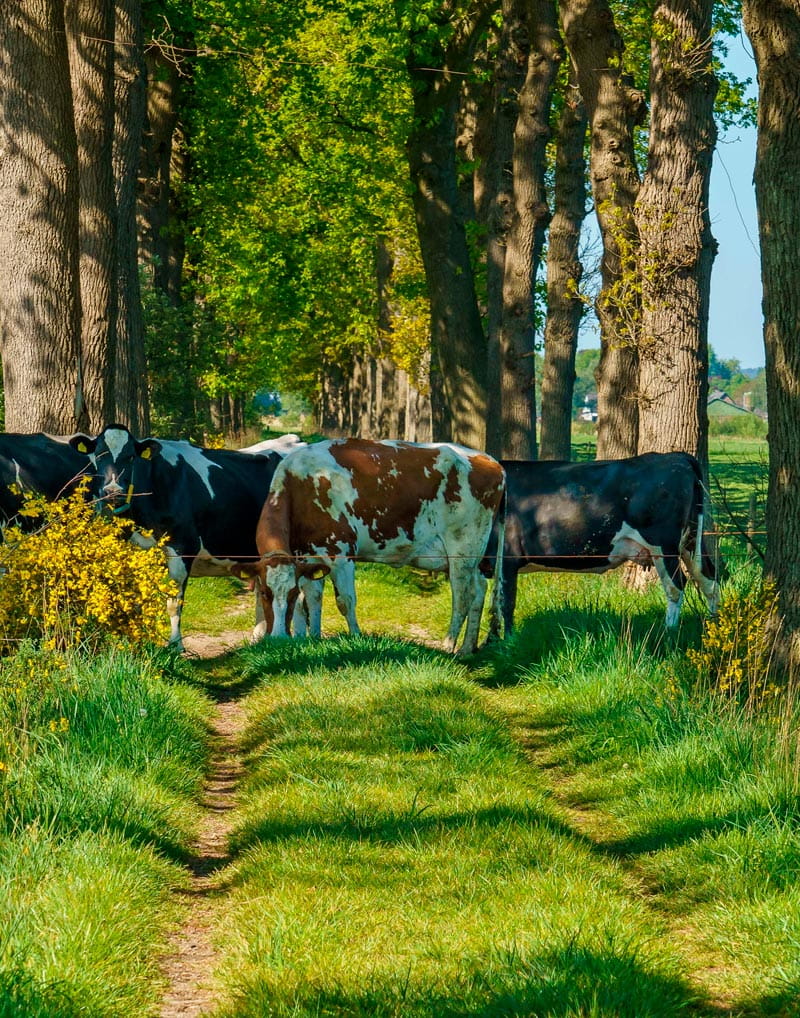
pixel 155 188
pixel 529 220
pixel 774 31
pixel 90 26
pixel 511 65
pixel 613 107
pixel 131 395
pixel 677 249
pixel 564 271
pixel 457 338
pixel 39 281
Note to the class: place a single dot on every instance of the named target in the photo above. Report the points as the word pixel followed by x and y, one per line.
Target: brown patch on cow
pixel 392 483
pixel 311 524
pixel 486 480
pixel 452 491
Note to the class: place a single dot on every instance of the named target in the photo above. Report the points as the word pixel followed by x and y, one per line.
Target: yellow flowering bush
pixel 77 578
pixel 738 643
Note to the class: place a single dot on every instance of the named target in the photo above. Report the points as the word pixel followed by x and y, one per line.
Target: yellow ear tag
pixel 82 447
pixel 146 454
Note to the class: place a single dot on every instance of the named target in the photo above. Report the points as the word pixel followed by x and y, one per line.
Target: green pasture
pixel 576 823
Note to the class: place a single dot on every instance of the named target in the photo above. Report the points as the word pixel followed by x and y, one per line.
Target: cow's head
pixel 121 465
pixel 277 578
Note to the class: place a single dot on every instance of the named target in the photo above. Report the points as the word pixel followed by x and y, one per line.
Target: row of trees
pixel 354 200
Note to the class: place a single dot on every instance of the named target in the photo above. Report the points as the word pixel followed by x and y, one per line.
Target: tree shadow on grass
pixel 285 656
pixel 563 983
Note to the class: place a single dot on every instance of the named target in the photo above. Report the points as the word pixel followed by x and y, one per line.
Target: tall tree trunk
pixel 132 400
pixel 39 282
pixel 456 331
pixel 156 185
pixel 613 106
pixel 525 240
pixel 511 65
pixel 90 27
pixel 564 271
pixel 774 31
pixel 676 248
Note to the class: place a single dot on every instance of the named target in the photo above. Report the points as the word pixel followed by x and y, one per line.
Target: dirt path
pixel 192 960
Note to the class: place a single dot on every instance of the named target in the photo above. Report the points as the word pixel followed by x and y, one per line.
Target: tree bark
pixel 90 29
pixel 676 248
pixel 774 31
pixel 457 338
pixel 39 281
pixel 131 394
pixel 564 271
pixel 613 106
pixel 529 219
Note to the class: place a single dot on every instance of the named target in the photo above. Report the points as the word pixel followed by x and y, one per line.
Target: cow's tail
pixel 702 564
pixel 496 603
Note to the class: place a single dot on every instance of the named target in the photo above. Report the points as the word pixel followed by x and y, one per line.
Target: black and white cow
pixel 35 463
pixel 591 517
pixel 207 501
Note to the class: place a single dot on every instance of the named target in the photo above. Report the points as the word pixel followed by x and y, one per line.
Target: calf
pixel 591 517
pixel 347 500
pixel 207 501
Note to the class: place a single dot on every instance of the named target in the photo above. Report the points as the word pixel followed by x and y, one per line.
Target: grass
pixel 102 761
pixel 398 855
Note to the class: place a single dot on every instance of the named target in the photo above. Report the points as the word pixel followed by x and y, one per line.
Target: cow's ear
pixel 82 443
pixel 313 571
pixel 148 448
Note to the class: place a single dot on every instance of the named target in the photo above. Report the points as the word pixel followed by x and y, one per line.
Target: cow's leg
pixel 312 594
pixel 461 593
pixel 343 575
pixel 509 581
pixel 180 575
pixel 672 580
pixel 470 644
pixel 300 614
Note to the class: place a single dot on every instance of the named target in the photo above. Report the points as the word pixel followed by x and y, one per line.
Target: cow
pixel 283 445
pixel 591 517
pixel 207 502
pixel 346 500
pixel 35 463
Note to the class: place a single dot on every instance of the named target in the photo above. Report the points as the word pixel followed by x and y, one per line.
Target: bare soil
pixel 192 960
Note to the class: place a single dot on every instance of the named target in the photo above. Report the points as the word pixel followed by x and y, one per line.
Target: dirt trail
pixel 192 960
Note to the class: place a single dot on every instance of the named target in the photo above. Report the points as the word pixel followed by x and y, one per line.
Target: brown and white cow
pixel 341 501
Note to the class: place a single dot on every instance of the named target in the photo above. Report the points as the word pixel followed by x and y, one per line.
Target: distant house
pixel 721 405
pixel 588 412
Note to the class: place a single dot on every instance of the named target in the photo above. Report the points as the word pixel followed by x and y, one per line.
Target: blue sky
pixel 735 321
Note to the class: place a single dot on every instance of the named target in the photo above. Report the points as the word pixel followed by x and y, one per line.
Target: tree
pixel 439 51
pixel 39 280
pixel 613 107
pixel 564 271
pixel 774 32
pixel 676 248
pixel 130 383
pixel 90 31
pixel 529 216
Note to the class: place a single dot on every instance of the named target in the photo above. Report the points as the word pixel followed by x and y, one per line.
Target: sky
pixel 735 319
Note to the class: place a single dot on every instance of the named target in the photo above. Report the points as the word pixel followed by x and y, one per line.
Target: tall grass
pixel 102 760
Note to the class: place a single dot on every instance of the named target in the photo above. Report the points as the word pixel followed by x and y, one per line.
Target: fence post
pixel 751 526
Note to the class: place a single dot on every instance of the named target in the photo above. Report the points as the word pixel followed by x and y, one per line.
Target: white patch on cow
pixel 629 546
pixel 195 458
pixel 283 445
pixel 116 439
